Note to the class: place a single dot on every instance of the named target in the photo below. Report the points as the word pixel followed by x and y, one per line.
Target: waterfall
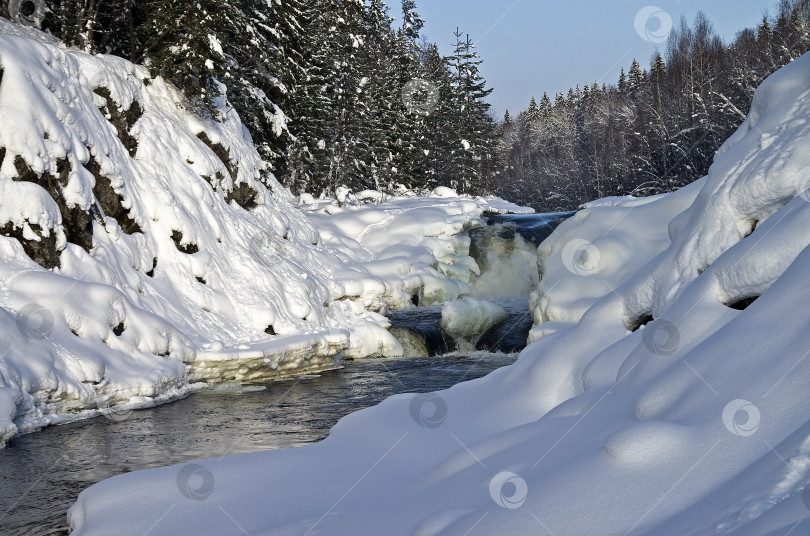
pixel 506 253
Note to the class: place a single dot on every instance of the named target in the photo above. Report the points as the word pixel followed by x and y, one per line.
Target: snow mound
pixel 675 406
pixel 597 250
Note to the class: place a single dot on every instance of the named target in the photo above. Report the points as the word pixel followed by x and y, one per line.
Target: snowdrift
pixel 598 249
pixel 677 405
pixel 144 250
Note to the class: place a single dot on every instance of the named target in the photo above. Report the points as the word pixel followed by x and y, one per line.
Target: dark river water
pixel 42 473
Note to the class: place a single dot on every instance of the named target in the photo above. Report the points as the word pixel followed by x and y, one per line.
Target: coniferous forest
pixel 331 92
pixel 334 93
pixel 657 128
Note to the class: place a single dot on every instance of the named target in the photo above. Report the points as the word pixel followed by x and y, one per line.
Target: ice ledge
pixel 285 356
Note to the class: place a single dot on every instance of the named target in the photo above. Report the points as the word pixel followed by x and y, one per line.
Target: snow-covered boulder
pixel 598 249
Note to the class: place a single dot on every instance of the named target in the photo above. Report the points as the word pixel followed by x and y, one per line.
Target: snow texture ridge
pixel 674 404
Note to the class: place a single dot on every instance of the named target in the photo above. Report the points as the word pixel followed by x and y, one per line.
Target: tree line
pixel 332 92
pixel 655 130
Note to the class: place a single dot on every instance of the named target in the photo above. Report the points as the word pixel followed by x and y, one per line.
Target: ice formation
pixel 466 320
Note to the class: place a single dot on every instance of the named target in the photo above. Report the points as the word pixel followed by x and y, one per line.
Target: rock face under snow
pixel 142 247
pixel 676 405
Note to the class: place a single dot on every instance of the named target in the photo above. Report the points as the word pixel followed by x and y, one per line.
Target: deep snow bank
pixel 693 424
pixel 598 249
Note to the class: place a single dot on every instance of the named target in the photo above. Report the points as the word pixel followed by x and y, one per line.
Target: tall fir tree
pixel 416 92
pixel 269 67
pixel 439 139
pixel 348 148
pixel 473 156
pixel 380 94
pixel 313 102
pixel 412 22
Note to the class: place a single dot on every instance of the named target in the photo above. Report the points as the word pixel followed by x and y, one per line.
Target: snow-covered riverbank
pixel 36 492
pixel 144 250
pixel 676 405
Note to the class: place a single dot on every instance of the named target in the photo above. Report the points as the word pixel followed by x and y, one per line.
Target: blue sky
pixel 531 46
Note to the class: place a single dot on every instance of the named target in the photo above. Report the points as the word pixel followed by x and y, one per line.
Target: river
pixel 43 472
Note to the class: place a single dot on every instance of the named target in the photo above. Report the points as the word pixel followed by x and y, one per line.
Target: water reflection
pixel 42 473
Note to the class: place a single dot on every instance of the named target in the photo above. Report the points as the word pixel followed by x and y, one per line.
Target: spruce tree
pixel 349 148
pixel 439 139
pixel 473 156
pixel 412 23
pixel 545 106
pixel 417 100
pixel 313 103
pixel 532 112
pixel 269 66
pixel 380 95
pixel 181 40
